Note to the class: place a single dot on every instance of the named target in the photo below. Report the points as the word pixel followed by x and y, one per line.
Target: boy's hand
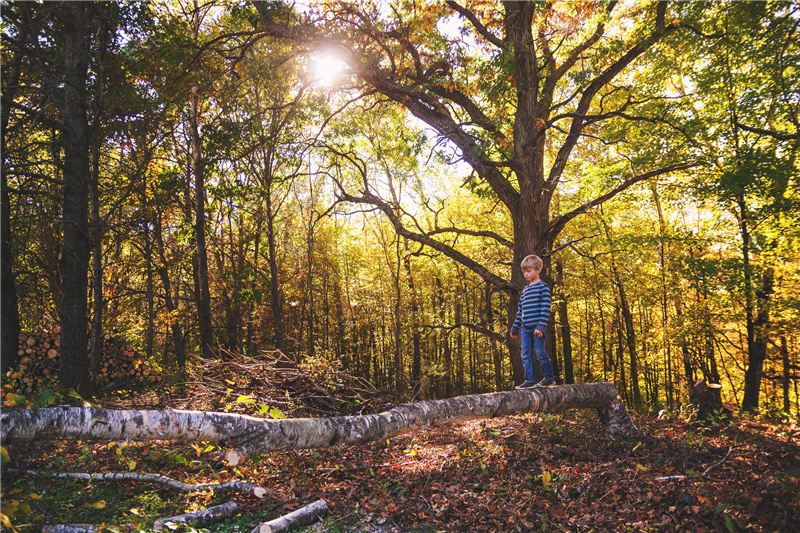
pixel 538 333
pixel 513 335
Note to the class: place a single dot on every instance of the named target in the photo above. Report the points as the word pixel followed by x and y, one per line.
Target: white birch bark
pixel 201 518
pixel 250 436
pixel 305 516
pixel 227 486
pixel 88 528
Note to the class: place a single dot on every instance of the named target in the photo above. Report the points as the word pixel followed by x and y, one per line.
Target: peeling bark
pixel 250 436
pixel 305 516
pixel 202 518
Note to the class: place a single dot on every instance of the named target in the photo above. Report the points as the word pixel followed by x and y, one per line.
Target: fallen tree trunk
pixel 250 436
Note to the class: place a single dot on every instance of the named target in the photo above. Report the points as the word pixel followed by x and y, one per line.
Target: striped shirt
pixel 534 307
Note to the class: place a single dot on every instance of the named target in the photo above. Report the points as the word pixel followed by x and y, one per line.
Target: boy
pixel 531 323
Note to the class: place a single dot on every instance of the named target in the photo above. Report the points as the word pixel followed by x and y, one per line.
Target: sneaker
pixel 546 382
pixel 526 385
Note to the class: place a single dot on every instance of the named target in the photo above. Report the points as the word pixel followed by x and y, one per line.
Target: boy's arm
pixel 544 309
pixel 514 331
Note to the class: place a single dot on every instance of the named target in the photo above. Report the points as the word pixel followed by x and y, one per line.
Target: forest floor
pixel 518 473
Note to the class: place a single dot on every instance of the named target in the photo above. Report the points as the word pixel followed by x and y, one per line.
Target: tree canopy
pixel 358 183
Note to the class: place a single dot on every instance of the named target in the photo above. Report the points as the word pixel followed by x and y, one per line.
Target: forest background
pixel 356 184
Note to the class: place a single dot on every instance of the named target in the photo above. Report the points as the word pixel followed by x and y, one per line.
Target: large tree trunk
pixel 74 257
pixel 9 311
pixel 251 436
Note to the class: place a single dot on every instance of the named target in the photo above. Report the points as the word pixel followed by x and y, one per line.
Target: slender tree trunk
pixel 98 301
pixel 399 382
pixel 74 257
pixel 786 374
pixel 623 380
pixel 496 360
pixel 747 271
pixel 566 330
pixel 274 276
pixel 662 251
pixel 446 353
pixel 416 356
pixel 203 294
pixel 755 364
pixel 630 337
pixel 459 388
pixel 178 342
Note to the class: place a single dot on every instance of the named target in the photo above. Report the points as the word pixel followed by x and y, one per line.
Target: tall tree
pixel 537 53
pixel 198 165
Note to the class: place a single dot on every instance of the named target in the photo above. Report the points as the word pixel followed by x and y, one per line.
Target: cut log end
pixel 235 458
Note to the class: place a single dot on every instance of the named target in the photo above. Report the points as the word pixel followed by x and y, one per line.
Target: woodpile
pixel 39 353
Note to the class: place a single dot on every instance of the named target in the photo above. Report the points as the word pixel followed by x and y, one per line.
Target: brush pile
pixel 241 384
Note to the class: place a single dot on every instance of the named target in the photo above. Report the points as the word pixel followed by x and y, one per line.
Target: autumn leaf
pixel 97 505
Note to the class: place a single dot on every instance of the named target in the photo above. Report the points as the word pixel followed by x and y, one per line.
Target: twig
pixel 228 486
pixel 707 470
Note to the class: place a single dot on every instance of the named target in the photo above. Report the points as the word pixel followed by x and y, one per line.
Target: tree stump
pixel 708 397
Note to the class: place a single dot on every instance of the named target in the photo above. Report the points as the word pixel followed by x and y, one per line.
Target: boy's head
pixel 532 262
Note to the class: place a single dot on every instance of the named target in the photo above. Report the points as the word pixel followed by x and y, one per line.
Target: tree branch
pixel 479 27
pixel 774 134
pixel 558 223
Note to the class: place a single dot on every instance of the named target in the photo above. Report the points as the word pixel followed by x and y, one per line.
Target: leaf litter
pixel 518 473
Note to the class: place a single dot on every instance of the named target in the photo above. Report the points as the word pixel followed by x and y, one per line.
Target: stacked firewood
pixel 39 353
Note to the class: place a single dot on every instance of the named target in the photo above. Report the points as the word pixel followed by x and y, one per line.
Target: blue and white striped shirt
pixel 534 307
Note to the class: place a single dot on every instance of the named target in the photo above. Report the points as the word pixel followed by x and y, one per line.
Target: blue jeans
pixel 526 338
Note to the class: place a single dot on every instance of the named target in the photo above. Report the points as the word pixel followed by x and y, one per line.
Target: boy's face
pixel 531 274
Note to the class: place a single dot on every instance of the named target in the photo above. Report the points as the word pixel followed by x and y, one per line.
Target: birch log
pixel 250 436
pixel 227 486
pixel 88 528
pixel 305 516
pixel 201 518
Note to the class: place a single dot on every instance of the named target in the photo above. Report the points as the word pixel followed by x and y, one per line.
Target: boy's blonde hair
pixel 532 262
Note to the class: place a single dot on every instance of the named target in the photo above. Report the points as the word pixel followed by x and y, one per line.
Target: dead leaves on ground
pixel 513 474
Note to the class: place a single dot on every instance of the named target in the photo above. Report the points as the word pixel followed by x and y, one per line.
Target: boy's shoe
pixel 526 385
pixel 546 383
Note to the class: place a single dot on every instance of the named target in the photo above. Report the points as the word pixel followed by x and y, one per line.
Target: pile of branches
pixel 238 383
